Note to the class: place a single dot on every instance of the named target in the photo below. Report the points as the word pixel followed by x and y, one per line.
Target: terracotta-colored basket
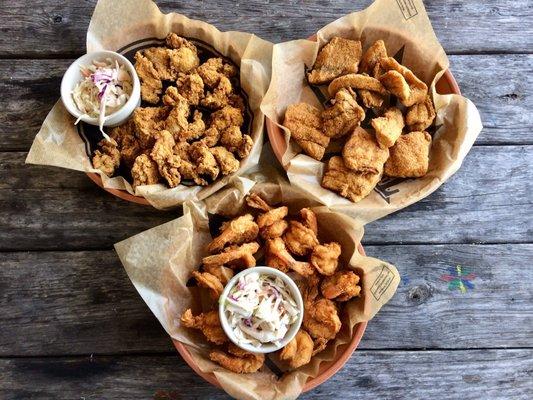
pixel 326 370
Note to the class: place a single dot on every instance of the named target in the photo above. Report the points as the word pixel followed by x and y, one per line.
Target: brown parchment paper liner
pixel 404 26
pixel 159 263
pixel 116 24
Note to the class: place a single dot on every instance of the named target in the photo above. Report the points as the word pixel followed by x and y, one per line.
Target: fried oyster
pixel 189 134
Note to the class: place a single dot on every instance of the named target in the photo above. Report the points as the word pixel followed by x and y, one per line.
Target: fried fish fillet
pixel 338 57
pixel 356 81
pixel 402 82
pixel 388 127
pixel 409 157
pixel 420 116
pixel 370 60
pixel 347 183
pixel 343 116
pixel 305 123
pixel 361 153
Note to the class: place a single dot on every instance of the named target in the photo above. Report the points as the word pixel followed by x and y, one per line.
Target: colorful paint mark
pixel 459 278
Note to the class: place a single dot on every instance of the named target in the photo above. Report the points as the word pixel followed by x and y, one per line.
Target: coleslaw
pixel 260 309
pixel 106 86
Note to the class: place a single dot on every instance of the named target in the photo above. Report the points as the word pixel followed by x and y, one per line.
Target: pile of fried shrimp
pixel 190 132
pixel 378 109
pixel 290 243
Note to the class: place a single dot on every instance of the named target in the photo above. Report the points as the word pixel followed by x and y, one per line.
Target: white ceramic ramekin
pixel 73 76
pixel 268 347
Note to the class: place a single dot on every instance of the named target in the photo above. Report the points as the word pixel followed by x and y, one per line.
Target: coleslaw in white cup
pixel 122 105
pixel 261 309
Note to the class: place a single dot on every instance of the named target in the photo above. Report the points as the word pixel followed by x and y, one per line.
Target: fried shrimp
pixel 300 239
pixel 299 350
pixel 321 318
pixel 325 258
pixel 208 323
pixel 223 274
pixel 234 256
pixel 209 281
pixel 277 256
pixel 238 360
pixel 237 231
pixel 341 286
pixel 309 219
pixel 272 223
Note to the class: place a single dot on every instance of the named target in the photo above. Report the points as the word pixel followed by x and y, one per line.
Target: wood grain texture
pixel 488 200
pixel 499 85
pixel 83 302
pixel 465 375
pixel 466 26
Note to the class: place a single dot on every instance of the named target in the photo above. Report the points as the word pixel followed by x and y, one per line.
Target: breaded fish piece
pixel 151 82
pixel 371 57
pixel 409 157
pixel 356 81
pixel 420 116
pixel 343 116
pixel 361 153
pixel 352 185
pixel 388 127
pixel 402 82
pixel 305 123
pixel 338 57
pixel 370 99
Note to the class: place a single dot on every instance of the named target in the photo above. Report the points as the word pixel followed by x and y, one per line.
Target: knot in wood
pixel 419 294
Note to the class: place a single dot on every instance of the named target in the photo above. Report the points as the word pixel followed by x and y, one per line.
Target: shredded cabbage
pixel 106 86
pixel 260 309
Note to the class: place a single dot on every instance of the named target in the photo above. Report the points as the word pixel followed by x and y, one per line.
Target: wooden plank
pixel 465 26
pixel 503 96
pixel 83 302
pixel 488 201
pixel 494 374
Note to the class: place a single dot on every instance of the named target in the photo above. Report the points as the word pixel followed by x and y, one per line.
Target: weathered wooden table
pixel 73 326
